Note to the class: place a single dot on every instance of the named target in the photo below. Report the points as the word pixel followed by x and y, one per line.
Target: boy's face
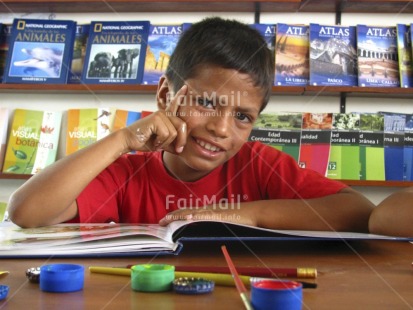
pixel 220 108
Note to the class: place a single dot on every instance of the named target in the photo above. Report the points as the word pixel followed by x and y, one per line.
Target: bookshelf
pixel 256 7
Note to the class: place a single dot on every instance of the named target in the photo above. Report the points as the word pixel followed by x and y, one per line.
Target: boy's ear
pixel 163 93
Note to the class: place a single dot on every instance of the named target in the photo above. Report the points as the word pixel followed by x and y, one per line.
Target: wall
pixel 63 102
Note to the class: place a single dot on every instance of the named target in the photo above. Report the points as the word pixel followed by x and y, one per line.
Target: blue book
pixel 267 31
pixel 40 51
pixel 404 53
pixel 377 56
pixel 333 55
pixel 115 52
pixel 161 44
pixel 79 52
pixel 291 55
pixel 394 124
pixel 408 148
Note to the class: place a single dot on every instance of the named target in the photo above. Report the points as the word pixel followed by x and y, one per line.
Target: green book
pixel 281 130
pixel 371 147
pixel 344 151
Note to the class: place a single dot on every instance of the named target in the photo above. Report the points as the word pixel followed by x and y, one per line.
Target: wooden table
pixel 355 275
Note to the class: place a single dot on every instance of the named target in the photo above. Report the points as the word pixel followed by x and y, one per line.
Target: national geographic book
pixel 40 51
pixel 79 52
pixel 161 44
pixel 291 55
pixel 377 56
pixel 333 55
pixel 33 141
pixel 115 52
pixel 344 152
pixel 86 126
pixel 316 141
pixel 281 130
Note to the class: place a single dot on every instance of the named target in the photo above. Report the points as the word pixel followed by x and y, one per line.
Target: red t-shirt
pixel 138 189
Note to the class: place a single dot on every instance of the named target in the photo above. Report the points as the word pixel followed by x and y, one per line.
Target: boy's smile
pixel 219 109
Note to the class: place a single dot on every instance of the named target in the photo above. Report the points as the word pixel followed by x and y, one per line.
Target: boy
pixel 196 162
pixel 394 215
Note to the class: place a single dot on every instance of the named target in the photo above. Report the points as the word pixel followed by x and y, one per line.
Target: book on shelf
pixel 393 144
pixel 408 148
pixel 79 53
pixel 344 151
pixel 33 141
pixel 315 141
pixel 281 130
pixel 116 240
pixel 40 51
pixel 124 118
pixel 4 47
pixel 161 44
pixel 291 55
pixel 86 126
pixel 4 122
pixel 3 213
pixel 377 56
pixel 115 52
pixel 404 54
pixel 333 55
pixel 371 147
pixel 268 32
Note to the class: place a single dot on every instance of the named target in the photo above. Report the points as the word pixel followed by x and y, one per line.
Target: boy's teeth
pixel 208 146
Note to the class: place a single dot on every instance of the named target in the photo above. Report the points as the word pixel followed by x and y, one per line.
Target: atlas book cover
pixel 115 52
pixel 344 151
pixel 316 141
pixel 378 64
pixel 371 147
pixel 79 53
pixel 124 118
pixel 33 141
pixel 394 145
pixel 281 130
pixel 161 44
pixel 86 126
pixel 291 55
pixel 4 47
pixel 333 55
pixel 40 51
pixel 404 54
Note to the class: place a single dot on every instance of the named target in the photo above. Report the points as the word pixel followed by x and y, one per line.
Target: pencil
pixel 238 283
pixel 219 279
pixel 263 272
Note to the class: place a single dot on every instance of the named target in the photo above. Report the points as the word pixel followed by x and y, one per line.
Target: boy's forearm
pixel 45 198
pixel 345 211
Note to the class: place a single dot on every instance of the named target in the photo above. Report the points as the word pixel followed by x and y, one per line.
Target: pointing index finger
pixel 177 100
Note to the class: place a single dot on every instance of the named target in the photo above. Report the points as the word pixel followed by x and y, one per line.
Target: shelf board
pixel 388 92
pixel 11 176
pixel 110 6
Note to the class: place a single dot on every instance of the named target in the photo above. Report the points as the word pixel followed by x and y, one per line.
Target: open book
pixel 69 240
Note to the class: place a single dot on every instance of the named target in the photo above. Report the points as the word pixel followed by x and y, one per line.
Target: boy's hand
pixel 162 129
pixel 210 213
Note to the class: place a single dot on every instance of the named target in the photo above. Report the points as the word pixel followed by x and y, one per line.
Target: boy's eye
pixel 242 117
pixel 205 102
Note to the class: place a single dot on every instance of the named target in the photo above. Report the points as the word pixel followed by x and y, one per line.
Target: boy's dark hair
pixel 225 43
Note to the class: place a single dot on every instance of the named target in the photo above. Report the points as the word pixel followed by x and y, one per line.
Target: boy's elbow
pixel 17 212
